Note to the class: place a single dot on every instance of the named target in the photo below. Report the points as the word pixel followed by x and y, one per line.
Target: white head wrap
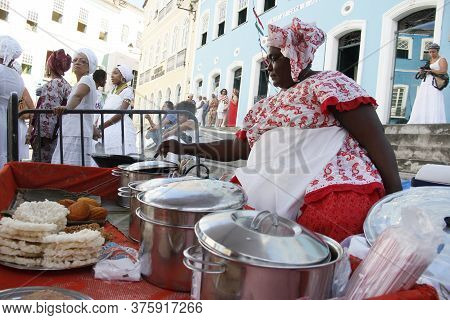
pixel 126 72
pixel 10 49
pixel 92 58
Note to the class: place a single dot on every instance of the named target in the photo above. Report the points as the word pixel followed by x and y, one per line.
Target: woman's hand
pixel 172 146
pixel 97 134
pixel 59 110
pixel 28 138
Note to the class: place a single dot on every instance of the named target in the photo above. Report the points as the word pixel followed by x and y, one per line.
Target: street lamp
pixel 191 8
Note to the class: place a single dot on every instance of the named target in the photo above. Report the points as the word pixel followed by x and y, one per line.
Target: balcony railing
pixel 181 58
pixel 159 72
pixel 171 63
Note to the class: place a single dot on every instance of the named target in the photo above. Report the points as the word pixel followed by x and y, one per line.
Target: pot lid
pixel 146 185
pixel 200 195
pixel 153 166
pixel 261 238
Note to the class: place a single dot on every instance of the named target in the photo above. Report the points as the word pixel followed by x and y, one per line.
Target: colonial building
pixel 380 44
pixel 111 28
pixel 166 62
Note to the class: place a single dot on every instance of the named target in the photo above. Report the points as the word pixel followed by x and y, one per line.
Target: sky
pixel 137 3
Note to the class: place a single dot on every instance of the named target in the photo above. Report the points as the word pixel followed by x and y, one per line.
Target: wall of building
pixel 50 35
pixel 376 19
pixel 166 70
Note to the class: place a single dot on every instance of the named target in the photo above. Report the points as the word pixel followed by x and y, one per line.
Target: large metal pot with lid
pixel 136 187
pixel 258 255
pixel 169 214
pixel 145 170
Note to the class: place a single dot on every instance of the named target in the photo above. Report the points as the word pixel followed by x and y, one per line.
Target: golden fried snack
pixel 97 213
pixel 89 201
pixel 66 202
pixel 79 211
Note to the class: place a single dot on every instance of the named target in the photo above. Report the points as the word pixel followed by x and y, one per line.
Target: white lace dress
pixel 429 106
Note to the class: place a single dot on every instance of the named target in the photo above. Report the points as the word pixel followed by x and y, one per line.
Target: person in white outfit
pixel 119 99
pixel 429 106
pixel 82 97
pixel 10 82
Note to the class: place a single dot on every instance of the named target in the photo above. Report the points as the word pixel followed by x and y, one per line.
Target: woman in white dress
pixel 119 99
pixel 429 106
pixel 222 110
pixel 82 97
pixel 10 82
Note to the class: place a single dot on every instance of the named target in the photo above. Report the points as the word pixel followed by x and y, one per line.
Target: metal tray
pixel 18 293
pixel 39 268
pixel 435 201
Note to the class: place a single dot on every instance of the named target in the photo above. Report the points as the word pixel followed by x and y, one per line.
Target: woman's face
pixel 223 92
pixel 433 53
pixel 279 68
pixel 116 77
pixel 80 64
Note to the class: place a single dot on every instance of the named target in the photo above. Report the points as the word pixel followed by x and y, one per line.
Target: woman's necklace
pixel 119 89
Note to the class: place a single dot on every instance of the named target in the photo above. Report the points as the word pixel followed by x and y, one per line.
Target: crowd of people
pixel 41 134
pixel 218 111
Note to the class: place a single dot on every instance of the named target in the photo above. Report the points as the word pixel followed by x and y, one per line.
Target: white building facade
pixel 112 29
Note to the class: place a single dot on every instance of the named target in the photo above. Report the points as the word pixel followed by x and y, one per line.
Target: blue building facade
pixel 363 41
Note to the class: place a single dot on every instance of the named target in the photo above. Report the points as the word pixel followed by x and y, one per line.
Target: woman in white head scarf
pixel 82 97
pixel 10 82
pixel 119 99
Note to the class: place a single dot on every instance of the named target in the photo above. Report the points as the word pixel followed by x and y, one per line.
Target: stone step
pixel 432 129
pixel 435 154
pixel 412 165
pixel 419 140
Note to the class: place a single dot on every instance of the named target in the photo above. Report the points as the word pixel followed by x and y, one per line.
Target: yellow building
pixel 167 53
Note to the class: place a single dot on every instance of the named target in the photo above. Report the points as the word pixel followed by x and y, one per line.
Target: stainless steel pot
pixel 139 171
pixel 169 214
pixel 136 187
pixel 272 261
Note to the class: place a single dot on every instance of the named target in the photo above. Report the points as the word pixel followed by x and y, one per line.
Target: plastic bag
pixel 398 257
pixel 341 276
pixel 118 263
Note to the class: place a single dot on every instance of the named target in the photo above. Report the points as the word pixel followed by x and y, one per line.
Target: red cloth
pixel 32 175
pixel 339 214
pixel 59 62
pixel 232 114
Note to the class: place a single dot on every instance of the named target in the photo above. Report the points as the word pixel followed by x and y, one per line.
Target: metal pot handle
pixel 201 166
pixel 116 172
pixel 259 218
pixel 124 192
pixel 190 260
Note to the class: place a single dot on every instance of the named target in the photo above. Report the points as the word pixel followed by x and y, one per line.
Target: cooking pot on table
pixel 139 171
pixel 104 160
pixel 169 214
pixel 258 255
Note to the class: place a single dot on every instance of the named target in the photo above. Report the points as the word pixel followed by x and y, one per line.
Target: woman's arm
pixel 81 92
pixel 117 117
pixel 443 67
pixel 223 150
pixel 365 126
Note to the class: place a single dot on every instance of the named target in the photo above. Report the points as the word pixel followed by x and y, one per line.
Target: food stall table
pixel 97 181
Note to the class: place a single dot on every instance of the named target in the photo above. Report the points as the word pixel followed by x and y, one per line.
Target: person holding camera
pixel 429 106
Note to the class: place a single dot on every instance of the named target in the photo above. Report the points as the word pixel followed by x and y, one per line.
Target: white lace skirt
pixel 113 137
pixel 72 151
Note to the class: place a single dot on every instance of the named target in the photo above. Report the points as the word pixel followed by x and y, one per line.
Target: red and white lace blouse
pixel 305 106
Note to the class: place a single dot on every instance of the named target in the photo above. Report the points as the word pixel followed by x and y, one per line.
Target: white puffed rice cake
pixel 97 243
pixel 30 262
pixel 35 237
pixel 21 245
pixel 49 252
pixel 28 226
pixel 51 263
pixel 42 212
pixel 19 253
pixel 83 236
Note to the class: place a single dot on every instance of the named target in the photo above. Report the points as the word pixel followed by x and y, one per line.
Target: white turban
pixel 92 58
pixel 126 72
pixel 10 49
